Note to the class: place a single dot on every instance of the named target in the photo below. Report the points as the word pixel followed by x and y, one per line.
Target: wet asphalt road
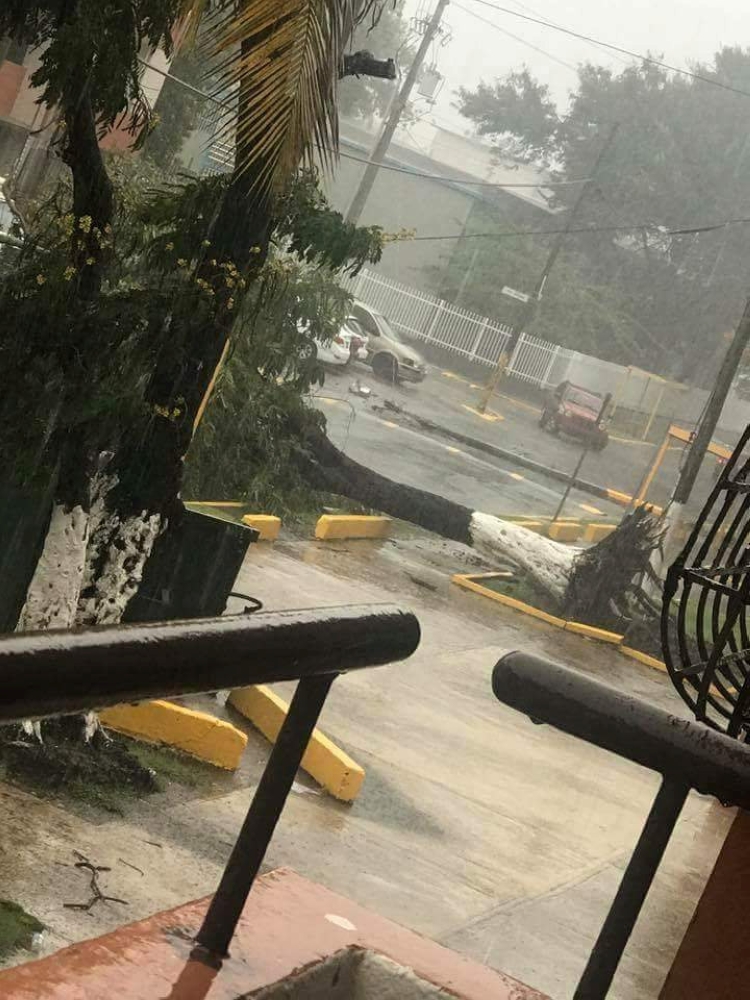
pixel 431 463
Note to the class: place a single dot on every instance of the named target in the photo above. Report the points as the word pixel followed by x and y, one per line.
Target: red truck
pixel 578 412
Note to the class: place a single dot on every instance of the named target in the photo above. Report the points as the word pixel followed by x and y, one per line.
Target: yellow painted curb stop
pixel 596 532
pixel 562 531
pixel 195 733
pixel 323 760
pixel 268 525
pixel 339 526
pixel 592 632
pixel 469 582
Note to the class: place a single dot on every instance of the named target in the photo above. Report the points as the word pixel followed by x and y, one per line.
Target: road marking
pixel 388 423
pixel 458 378
pixel 452 450
pixel 492 417
pixel 516 475
pixel 590 509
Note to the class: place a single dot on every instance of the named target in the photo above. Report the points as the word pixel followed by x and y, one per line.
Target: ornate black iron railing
pixel 57 673
pixel 704 625
pixel 686 754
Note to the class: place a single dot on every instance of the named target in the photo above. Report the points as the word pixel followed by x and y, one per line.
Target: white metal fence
pixel 535 361
pixel 477 338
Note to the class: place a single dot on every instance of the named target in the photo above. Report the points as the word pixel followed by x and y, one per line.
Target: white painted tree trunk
pixel 550 563
pixel 52 597
pixel 119 568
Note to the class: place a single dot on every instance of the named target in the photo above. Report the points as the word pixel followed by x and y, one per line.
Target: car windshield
pixel 582 398
pixel 386 328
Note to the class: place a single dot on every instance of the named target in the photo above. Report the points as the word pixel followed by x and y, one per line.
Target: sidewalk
pixel 476 828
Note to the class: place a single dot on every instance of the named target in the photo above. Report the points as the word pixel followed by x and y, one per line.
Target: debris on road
pixel 97 896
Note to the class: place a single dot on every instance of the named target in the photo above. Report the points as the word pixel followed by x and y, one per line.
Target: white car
pixel 335 352
pixel 346 346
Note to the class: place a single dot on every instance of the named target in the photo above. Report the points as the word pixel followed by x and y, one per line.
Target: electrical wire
pixel 681 231
pixel 614 48
pixel 516 38
pixel 467 181
pixel 383 166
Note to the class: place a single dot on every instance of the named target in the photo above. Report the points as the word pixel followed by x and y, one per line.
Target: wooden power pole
pixel 394 117
pixel 532 303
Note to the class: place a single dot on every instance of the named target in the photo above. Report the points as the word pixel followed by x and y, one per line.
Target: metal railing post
pixel 265 809
pixel 631 894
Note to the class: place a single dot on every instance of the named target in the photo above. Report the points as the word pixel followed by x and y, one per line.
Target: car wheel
pixel 385 366
pixel 601 442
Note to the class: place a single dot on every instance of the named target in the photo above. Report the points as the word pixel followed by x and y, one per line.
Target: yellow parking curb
pixel 491 416
pixel 468 582
pixel 268 526
pixel 565 531
pixel 591 632
pixel 596 532
pixel 649 661
pixel 338 526
pixel 196 733
pixel 217 503
pixel 323 760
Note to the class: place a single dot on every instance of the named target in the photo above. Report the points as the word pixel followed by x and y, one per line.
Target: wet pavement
pixel 498 838
pixel 476 478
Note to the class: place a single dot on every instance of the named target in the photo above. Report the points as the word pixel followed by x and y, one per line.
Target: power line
pixel 462 180
pixel 517 38
pixel 362 159
pixel 681 231
pixel 531 10
pixel 614 48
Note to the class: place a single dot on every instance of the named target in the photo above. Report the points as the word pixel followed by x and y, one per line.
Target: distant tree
pixel 516 110
pixel 681 159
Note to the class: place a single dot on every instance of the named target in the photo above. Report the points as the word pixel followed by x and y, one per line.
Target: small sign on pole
pixel 513 293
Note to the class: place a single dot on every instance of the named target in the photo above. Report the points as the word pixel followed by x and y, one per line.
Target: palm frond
pixel 281 58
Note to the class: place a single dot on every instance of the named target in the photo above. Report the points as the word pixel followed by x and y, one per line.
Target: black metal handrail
pixel 686 754
pixel 58 673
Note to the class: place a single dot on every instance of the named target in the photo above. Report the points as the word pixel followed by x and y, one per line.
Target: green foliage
pixel 245 445
pixel 17 928
pixel 319 234
pixel 573 312
pixel 516 108
pixel 679 160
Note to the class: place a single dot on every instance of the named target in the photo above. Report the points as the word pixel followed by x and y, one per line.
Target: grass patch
pixel 523 588
pixel 169 766
pixel 17 928
pixel 108 773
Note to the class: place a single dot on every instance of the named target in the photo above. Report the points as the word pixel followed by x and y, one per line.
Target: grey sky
pixel 680 31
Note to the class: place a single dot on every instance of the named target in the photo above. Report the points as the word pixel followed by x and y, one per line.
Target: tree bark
pixel 327 468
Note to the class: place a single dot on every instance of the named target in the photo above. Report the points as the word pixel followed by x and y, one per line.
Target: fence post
pixel 439 307
pixel 510 367
pixel 477 341
pixel 552 358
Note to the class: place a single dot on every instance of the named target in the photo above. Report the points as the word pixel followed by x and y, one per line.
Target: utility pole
pixel 532 304
pixel 712 412
pixel 397 108
pixel 699 445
